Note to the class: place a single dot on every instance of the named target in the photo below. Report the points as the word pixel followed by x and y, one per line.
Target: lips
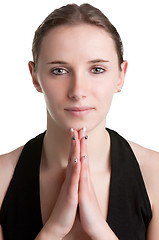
pixel 79 111
pixel 78 108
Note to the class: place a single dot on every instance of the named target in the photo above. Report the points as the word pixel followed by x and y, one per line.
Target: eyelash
pixel 55 71
pixel 94 70
pixel 99 68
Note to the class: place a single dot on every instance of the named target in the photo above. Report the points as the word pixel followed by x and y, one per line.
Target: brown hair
pixel 73 14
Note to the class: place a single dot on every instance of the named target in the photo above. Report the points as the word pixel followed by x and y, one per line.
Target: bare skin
pixel 75 71
pixel 149 164
pixel 76 189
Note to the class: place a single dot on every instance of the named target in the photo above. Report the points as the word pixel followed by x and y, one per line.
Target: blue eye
pixel 59 71
pixel 98 70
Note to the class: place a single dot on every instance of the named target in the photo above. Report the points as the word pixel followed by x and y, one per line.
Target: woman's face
pixel 78 73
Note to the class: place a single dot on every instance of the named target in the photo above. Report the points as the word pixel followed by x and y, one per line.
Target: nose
pixel 78 89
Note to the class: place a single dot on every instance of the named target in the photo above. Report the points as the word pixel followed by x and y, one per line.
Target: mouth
pixel 79 111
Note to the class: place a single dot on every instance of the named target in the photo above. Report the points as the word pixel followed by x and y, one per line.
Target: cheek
pixel 52 95
pixel 52 90
pixel 104 90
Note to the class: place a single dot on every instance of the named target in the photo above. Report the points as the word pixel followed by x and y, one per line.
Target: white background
pixel 134 113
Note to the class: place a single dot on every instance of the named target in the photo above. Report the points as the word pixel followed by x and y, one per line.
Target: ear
pixel 34 76
pixel 122 74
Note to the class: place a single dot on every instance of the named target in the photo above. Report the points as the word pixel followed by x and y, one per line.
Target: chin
pixel 81 126
pixel 75 126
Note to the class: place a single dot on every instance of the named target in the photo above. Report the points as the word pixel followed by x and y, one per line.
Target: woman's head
pixel 77 55
pixel 73 14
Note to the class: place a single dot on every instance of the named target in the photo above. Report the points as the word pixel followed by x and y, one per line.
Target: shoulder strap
pixel 20 212
pixel 129 206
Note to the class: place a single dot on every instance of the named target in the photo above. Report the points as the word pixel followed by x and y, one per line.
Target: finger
pixel 74 154
pixel 73 138
pixel 72 178
pixel 83 147
pixel 84 177
pixel 81 133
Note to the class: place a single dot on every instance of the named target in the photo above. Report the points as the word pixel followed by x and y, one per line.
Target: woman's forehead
pixel 83 39
pixel 77 43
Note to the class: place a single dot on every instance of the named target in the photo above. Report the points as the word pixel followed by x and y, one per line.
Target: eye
pixel 59 71
pixel 98 70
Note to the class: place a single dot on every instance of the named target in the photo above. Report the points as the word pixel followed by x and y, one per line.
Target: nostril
pixel 77 97
pixel 77 94
pixel 78 87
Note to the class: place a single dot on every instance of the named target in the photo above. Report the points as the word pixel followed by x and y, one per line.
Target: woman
pixel 78 180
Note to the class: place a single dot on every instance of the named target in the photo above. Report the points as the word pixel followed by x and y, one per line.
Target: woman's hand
pixel 77 189
pixel 63 215
pixel 91 218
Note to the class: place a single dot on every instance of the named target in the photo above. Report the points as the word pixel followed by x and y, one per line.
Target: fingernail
pixel 71 130
pixel 84 130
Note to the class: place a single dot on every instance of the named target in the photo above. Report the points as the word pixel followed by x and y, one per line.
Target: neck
pixel 57 142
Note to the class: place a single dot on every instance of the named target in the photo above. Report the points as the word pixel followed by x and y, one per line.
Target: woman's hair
pixel 73 14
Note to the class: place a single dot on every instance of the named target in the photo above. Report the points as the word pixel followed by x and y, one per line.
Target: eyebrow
pixel 57 62
pixel 97 61
pixel 91 61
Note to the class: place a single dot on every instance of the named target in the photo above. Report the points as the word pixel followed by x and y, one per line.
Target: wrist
pixel 104 232
pixel 49 233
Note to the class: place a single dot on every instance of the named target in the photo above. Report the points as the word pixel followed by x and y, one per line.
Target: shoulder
pixel 144 155
pixel 8 163
pixel 149 164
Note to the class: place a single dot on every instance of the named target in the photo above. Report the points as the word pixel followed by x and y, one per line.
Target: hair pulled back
pixel 73 14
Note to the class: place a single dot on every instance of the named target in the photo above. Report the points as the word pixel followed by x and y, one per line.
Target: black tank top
pixel 129 210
